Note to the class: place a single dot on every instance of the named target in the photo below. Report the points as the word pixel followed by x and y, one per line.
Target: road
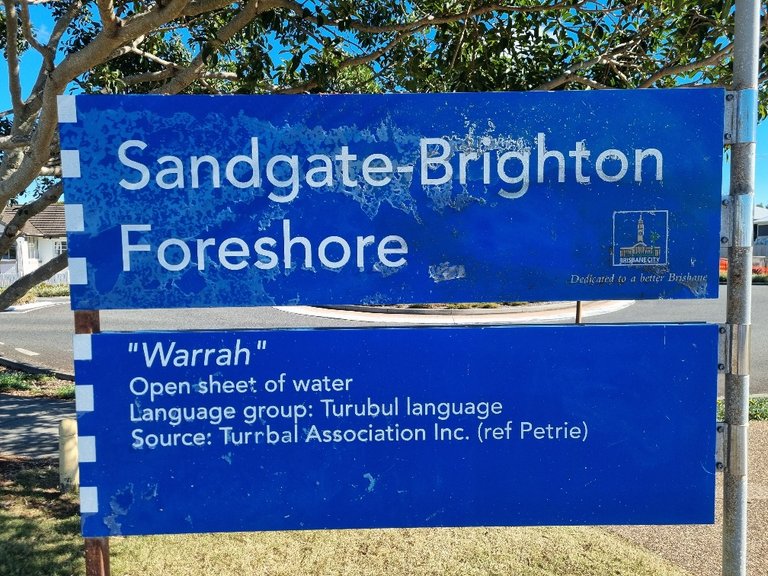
pixel 43 336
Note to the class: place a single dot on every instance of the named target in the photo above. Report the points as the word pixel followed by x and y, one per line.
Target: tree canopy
pixel 332 46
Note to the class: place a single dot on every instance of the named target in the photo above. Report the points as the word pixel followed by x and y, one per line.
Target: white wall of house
pixel 31 253
pixel 9 270
pixel 50 248
pixel 9 260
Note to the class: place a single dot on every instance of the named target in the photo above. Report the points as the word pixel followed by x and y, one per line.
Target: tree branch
pixel 149 56
pixel 431 19
pixel 24 213
pixel 586 82
pixel 109 19
pixel 198 7
pixel 13 142
pixel 24 284
pixel 62 24
pixel 51 171
pixel 27 28
pixel 169 72
pixel 105 43
pixel 461 38
pixel 680 69
pixel 350 63
pixel 12 55
pixel 194 70
pixel 71 67
pixel 566 76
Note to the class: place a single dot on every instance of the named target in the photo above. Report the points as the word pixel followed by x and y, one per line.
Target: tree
pixel 292 46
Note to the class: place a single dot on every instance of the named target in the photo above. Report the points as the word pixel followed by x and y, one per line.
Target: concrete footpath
pixel 697 548
pixel 29 427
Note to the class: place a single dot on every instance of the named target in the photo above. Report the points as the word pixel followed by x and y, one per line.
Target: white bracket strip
pixel 70 163
pixel 81 346
pixel 86 449
pixel 73 216
pixel 84 398
pixel 78 272
pixel 67 109
pixel 89 499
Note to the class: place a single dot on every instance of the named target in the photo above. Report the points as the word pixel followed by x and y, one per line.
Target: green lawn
pixel 39 536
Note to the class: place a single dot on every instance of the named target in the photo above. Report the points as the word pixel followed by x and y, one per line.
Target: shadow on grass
pixel 39 527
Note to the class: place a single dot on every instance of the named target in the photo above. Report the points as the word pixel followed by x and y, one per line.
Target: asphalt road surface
pixel 43 336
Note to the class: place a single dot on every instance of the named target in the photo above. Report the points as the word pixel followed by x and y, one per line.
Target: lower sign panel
pixel 310 429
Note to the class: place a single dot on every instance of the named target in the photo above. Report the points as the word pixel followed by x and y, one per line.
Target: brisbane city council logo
pixel 640 237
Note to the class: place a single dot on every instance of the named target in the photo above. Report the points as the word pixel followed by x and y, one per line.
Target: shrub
pixel 759 273
pixel 50 290
pixel 26 299
pixel 758 408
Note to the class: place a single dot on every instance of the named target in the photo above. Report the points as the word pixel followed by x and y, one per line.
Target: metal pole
pixel 739 305
pixel 96 549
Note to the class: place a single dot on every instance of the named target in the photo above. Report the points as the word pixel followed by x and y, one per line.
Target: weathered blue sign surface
pixel 210 201
pixel 303 429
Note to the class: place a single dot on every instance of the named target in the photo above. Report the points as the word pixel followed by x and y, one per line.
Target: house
pixel 761 222
pixel 761 232
pixel 42 238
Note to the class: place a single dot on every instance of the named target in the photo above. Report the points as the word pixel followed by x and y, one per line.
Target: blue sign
pixel 309 429
pixel 380 199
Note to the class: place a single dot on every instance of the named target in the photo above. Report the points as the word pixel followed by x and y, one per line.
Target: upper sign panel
pixel 258 200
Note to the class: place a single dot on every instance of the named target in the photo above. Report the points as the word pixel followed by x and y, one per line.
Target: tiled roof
pixel 49 223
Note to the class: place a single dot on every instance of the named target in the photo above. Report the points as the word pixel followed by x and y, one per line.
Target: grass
pixel 51 290
pixel 43 291
pixel 40 385
pixel 758 408
pixel 39 527
pixel 28 298
pixel 458 305
pixel 39 534
pixel 444 552
pixel 756 278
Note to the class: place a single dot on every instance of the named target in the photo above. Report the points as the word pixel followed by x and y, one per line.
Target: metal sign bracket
pixel 726 456
pixel 733 351
pixel 721 448
pixel 736 347
pixel 740 122
pixel 722 348
pixel 736 449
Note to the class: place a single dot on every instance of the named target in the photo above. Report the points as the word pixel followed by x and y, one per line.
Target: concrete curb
pixel 534 312
pixel 33 369
pixel 549 312
pixel 455 311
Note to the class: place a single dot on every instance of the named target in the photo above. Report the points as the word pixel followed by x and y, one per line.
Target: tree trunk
pixel 29 281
